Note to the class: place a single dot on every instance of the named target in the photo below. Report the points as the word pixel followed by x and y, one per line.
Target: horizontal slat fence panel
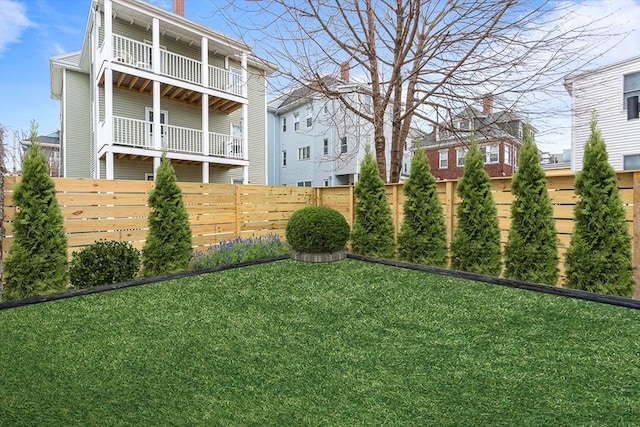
pixel 118 210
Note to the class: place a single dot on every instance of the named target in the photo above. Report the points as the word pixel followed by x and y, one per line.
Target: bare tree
pixel 420 60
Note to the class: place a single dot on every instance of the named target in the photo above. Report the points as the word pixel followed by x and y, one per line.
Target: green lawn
pixel 347 343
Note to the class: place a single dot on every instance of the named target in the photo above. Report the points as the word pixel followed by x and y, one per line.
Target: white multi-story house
pixel 315 140
pixel 148 80
pixel 613 93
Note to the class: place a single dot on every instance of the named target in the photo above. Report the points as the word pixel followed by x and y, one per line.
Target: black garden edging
pixel 137 282
pixel 564 292
pixel 536 287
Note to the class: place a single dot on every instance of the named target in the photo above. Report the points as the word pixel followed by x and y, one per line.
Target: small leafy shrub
pixel 103 263
pixel 239 250
pixel 317 229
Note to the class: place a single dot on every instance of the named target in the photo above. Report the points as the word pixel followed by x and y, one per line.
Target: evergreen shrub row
pixel 598 259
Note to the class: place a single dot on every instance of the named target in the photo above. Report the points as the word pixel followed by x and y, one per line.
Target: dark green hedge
pixel 317 229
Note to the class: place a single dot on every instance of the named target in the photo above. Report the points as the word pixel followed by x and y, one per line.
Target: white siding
pixel 78 119
pixel 600 91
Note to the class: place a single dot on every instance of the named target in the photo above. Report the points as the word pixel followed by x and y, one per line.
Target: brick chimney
pixel 178 7
pixel 344 71
pixel 487 104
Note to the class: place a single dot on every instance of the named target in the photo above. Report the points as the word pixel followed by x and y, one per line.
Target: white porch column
pixel 108 120
pixel 157 136
pixel 108 30
pixel 245 119
pixel 109 166
pixel 205 172
pixel 156 165
pixel 155 40
pixel 204 50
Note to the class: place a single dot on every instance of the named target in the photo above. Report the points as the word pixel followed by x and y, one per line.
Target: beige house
pixel 148 80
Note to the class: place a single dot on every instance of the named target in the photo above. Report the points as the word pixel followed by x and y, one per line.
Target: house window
pixel 164 120
pixel 631 87
pixel 304 183
pixel 234 148
pixel 507 154
pixel 327 182
pixel 309 117
pixel 284 124
pixel 296 121
pixel 326 109
pixel 631 162
pixel 463 125
pixel 284 158
pixel 148 177
pixel 461 153
pixel 405 169
pixel 304 153
pixel 490 153
pixel 344 147
pixel 520 131
pixel 443 159
pixel 237 181
pixel 325 146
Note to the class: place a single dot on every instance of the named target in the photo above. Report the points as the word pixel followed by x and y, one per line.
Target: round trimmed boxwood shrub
pixel 103 263
pixel 317 229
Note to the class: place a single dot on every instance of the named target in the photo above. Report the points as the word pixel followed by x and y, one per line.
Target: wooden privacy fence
pixel 117 210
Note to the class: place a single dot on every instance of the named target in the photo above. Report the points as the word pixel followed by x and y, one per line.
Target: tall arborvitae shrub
pixel 37 260
pixel 599 255
pixel 531 252
pixel 168 245
pixel 476 239
pixel 373 226
pixel 423 235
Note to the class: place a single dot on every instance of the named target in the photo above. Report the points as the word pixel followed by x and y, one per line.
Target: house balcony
pixel 134 139
pixel 181 78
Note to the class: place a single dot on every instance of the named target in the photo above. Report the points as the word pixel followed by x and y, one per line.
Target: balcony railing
pixel 139 134
pixel 140 55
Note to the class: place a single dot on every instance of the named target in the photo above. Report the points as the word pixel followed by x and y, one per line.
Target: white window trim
pixel 303 183
pixel 440 159
pixel 344 142
pixel 464 152
pixel 301 153
pixel 507 159
pixel 163 126
pixel 296 121
pixel 149 177
pixel 487 154
pixel 325 147
pixel 627 155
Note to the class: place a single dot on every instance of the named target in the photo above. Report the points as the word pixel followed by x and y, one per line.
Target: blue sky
pixel 31 31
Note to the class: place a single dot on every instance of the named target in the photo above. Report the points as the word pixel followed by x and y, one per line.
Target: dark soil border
pixel 529 286
pixel 536 287
pixel 137 282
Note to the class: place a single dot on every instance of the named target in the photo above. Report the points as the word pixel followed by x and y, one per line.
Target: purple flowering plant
pixel 239 250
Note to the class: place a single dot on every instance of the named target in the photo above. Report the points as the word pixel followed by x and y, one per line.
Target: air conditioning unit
pixel 633 104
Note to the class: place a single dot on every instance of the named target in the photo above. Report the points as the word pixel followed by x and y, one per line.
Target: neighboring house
pixel 50 145
pixel 558 162
pixel 613 93
pixel 148 80
pixel 499 136
pixel 316 141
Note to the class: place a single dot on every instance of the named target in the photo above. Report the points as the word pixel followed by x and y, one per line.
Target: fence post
pixel 636 233
pixel 352 214
pixel 448 210
pixel 238 211
pixel 395 211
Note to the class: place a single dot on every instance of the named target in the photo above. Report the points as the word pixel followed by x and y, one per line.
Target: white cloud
pixel 13 21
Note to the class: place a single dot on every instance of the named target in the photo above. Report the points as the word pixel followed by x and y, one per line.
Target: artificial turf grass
pixel 291 343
